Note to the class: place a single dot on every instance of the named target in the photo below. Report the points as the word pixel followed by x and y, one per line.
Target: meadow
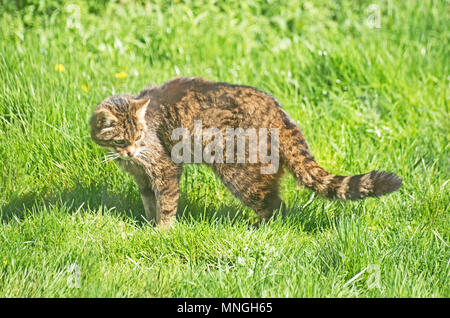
pixel 367 82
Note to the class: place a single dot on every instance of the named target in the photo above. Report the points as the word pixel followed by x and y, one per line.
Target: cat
pixel 138 129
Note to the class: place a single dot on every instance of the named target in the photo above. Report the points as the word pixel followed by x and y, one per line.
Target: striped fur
pixel 300 162
pixel 144 122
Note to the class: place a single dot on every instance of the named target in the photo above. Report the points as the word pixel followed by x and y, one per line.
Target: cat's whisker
pixel 110 157
pixel 143 149
pixel 141 154
pixel 144 155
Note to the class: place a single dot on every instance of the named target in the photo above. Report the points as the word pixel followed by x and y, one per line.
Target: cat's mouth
pixel 129 154
pixel 136 153
pixel 127 158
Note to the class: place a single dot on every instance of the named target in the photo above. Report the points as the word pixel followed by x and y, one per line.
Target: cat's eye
pixel 120 143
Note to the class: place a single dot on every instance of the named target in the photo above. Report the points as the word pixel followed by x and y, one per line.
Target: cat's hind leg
pixel 260 192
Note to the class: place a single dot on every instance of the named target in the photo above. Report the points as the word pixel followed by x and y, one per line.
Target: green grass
pixel 71 225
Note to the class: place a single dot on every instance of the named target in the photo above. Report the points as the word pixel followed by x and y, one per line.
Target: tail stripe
pixel 296 155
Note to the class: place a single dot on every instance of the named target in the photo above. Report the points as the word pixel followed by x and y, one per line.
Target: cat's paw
pixel 166 224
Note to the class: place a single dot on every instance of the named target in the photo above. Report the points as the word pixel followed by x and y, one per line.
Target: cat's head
pixel 118 123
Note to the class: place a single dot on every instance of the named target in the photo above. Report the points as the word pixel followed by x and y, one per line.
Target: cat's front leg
pixel 161 199
pixel 166 177
pixel 167 204
pixel 149 201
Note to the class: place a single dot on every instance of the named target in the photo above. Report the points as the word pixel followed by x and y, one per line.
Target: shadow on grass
pixel 127 203
pixel 318 214
pixel 94 197
pixel 315 215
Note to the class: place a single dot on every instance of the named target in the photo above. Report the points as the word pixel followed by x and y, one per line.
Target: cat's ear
pixel 140 107
pixel 105 118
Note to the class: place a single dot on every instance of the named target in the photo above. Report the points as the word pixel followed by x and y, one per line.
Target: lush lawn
pixel 366 98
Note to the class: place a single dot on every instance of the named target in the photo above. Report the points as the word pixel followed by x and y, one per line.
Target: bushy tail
pixel 297 157
pixel 372 184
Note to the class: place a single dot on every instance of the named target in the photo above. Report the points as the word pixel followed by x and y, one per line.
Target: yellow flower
pixel 85 88
pixel 59 68
pixel 373 228
pixel 121 75
pixel 5 262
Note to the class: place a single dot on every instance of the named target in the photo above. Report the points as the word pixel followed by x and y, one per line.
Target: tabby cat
pixel 138 129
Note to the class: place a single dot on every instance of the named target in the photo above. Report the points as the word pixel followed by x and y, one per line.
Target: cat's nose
pixel 130 150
